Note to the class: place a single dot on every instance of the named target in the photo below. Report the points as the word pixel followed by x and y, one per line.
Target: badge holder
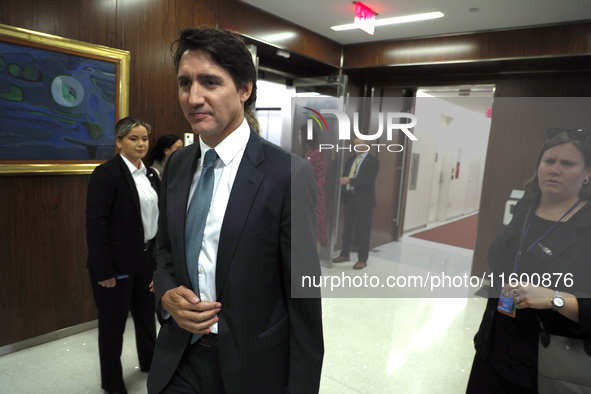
pixel 507 305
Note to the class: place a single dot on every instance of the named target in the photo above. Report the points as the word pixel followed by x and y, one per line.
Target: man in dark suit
pixel 255 334
pixel 358 180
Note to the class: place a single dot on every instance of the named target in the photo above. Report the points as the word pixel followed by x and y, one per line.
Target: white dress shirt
pixel 148 199
pixel 230 152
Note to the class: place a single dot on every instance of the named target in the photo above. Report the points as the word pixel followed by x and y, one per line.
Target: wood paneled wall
pixel 562 40
pixel 44 283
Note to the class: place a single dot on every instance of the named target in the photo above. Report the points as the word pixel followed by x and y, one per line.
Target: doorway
pixel 447 164
pixel 281 111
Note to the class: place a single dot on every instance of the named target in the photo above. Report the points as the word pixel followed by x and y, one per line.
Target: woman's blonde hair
pixel 124 126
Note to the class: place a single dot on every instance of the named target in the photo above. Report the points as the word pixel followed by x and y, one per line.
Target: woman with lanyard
pixel 121 223
pixel 543 257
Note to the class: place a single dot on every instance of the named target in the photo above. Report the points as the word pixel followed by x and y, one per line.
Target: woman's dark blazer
pixel 570 246
pixel 114 230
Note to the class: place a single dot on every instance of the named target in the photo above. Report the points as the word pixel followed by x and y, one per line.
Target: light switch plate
pixel 189 138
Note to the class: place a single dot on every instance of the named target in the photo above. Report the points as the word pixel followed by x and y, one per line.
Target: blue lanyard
pixel 528 220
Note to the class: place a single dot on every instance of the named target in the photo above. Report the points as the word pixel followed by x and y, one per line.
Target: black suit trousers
pixel 114 304
pixel 199 371
pixel 357 222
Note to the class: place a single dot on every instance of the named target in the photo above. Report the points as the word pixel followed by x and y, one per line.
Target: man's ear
pixel 245 91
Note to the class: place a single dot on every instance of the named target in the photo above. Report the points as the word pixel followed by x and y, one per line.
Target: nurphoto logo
pixel 392 120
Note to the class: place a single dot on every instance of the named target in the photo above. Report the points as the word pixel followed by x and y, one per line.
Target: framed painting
pixel 59 102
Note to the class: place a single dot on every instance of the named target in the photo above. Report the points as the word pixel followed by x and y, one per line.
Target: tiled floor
pixel 376 342
pixel 401 343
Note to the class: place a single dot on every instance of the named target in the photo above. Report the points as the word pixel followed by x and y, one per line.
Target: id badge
pixel 507 305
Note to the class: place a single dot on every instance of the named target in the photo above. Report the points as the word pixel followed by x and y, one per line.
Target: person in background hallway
pixel 121 223
pixel 358 180
pixel 237 224
pixel 165 145
pixel 316 158
pixel 549 233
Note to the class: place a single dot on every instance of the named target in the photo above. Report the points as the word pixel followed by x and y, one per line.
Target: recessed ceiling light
pixel 392 21
pixel 278 37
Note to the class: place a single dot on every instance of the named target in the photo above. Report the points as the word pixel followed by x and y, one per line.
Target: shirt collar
pixel 133 168
pixel 231 145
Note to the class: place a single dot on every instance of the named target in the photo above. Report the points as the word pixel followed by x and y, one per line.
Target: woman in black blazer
pixel 546 244
pixel 121 223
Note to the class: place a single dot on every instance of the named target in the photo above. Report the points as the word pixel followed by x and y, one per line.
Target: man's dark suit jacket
pixel 269 342
pixel 364 182
pixel 114 229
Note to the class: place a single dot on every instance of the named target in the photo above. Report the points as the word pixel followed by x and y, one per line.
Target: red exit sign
pixel 365 18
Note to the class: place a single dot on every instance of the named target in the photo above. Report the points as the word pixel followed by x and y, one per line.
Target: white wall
pixel 447 133
pixel 273 123
pixel 468 134
pixel 426 130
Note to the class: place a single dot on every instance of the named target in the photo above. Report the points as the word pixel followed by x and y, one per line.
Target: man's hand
pixel 189 312
pixel 344 180
pixel 112 282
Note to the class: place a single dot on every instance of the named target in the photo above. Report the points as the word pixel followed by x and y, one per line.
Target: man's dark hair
pixel 226 48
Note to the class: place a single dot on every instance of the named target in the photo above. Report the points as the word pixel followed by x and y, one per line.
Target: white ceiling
pixel 460 17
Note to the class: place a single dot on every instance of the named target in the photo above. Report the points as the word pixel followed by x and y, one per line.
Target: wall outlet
pixel 189 138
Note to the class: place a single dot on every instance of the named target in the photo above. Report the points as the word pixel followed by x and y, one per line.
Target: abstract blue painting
pixel 55 105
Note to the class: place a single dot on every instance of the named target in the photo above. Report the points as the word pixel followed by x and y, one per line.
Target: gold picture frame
pixel 59 102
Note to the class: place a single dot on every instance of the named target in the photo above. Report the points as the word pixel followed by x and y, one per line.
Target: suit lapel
pixel 245 187
pixel 366 161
